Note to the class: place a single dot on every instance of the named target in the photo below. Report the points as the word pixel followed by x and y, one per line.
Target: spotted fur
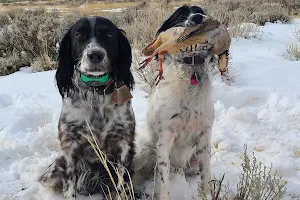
pixel 78 169
pixel 179 120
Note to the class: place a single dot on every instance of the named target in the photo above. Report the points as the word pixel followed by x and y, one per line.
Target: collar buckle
pixel 193 60
pixel 107 86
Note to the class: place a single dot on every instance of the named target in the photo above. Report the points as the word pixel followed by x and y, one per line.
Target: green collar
pixel 100 79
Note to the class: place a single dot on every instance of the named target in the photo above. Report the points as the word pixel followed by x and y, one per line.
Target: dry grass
pixel 146 77
pixel 255 182
pixel 87 7
pixel 36 46
pixel 293 49
pixel 246 30
pixel 235 14
pixel 139 25
pixel 29 38
pixel 127 192
pixel 252 11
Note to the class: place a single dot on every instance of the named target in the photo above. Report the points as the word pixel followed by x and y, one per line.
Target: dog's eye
pixel 79 35
pixel 108 35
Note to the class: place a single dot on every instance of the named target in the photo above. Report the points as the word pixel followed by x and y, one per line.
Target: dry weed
pixel 10 64
pixel 112 170
pixel 29 38
pixel 146 77
pixel 141 25
pixel 255 182
pixel 293 49
pixel 252 11
pixel 34 33
pixel 246 30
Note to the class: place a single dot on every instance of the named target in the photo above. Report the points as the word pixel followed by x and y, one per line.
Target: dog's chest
pixel 96 123
pixel 189 107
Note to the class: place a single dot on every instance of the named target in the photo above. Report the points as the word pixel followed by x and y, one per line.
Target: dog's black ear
pixel 124 60
pixel 65 68
pixel 179 16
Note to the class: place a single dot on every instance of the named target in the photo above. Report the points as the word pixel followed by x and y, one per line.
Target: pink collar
pixel 195 78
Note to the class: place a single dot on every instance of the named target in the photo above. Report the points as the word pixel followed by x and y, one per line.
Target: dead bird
pixel 177 39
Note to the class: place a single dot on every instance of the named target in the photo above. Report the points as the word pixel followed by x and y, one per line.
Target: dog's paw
pixel 69 192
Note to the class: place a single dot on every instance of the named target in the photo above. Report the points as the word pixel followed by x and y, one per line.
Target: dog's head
pixel 188 16
pixel 184 16
pixel 94 46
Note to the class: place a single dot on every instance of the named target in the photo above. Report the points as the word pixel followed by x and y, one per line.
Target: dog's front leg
pixel 124 164
pixel 164 147
pixel 122 151
pixel 203 159
pixel 69 183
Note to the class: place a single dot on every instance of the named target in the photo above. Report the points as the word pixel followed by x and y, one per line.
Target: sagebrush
pixel 293 49
pixel 256 182
pixel 29 37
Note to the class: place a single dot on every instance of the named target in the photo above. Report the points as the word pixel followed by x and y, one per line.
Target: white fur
pixel 189 23
pixel 85 65
pixel 180 117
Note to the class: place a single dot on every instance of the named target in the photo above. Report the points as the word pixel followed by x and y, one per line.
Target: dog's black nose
pixel 95 56
pixel 197 18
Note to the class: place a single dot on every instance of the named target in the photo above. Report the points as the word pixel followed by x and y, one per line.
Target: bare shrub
pixel 293 6
pixel 255 182
pixel 240 16
pixel 236 20
pixel 265 13
pixel 146 77
pixel 293 49
pixel 31 33
pixel 4 20
pixel 35 32
pixel 10 64
pixel 141 25
pixel 29 38
pixel 253 11
pixel 43 63
pixel 297 34
pixel 258 181
pixel 246 30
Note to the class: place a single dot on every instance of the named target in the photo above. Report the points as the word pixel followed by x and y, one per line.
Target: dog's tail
pixel 145 159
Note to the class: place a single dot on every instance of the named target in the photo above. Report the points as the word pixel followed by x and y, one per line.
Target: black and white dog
pixel 94 62
pixel 180 113
pixel 185 16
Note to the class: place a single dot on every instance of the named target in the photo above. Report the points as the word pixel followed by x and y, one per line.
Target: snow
pixel 261 109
